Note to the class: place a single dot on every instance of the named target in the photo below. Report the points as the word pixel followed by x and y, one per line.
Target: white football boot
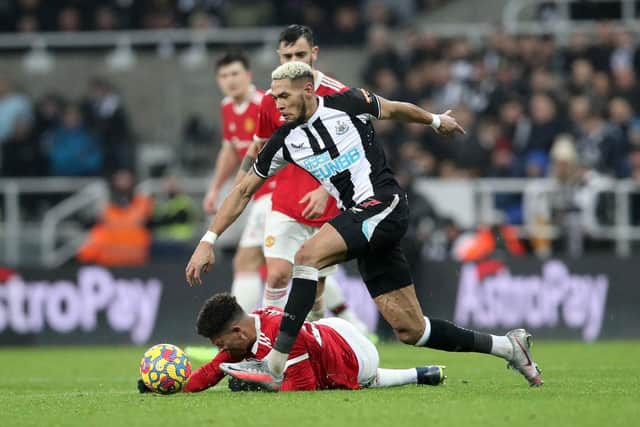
pixel 254 371
pixel 522 360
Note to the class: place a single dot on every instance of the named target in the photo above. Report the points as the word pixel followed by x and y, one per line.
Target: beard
pixel 303 112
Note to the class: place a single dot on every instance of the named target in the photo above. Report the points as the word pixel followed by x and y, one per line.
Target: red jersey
pixel 320 358
pixel 239 125
pixel 294 182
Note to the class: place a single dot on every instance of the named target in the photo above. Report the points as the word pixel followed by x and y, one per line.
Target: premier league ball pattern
pixel 165 368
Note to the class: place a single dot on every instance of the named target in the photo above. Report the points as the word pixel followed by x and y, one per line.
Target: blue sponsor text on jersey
pixel 323 167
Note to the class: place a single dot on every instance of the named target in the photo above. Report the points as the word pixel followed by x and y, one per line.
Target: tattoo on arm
pixel 247 162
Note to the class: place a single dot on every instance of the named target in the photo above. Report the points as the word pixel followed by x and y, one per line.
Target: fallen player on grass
pixel 328 354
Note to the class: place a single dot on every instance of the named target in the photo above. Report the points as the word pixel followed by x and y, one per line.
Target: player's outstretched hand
pixel 316 201
pixel 200 262
pixel 449 125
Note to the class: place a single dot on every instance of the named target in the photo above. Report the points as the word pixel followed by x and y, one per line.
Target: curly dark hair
pixel 217 313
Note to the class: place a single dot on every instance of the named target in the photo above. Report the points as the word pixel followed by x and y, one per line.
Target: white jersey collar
pixel 256 320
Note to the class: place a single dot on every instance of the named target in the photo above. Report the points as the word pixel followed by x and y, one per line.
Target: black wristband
pixel 246 164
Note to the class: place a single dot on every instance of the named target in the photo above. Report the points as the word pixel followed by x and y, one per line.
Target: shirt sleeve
pixel 271 158
pixel 226 133
pixel 355 101
pixel 267 121
pixel 208 374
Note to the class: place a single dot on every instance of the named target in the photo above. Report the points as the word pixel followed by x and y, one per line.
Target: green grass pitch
pixel 585 385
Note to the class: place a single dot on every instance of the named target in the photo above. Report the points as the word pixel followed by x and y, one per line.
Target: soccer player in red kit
pixel 328 354
pixel 299 205
pixel 240 109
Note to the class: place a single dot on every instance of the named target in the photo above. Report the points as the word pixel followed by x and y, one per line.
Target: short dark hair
pixel 217 314
pixel 292 33
pixel 232 56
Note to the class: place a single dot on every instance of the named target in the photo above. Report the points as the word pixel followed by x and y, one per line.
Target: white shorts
pixel 253 233
pixel 284 236
pixel 365 351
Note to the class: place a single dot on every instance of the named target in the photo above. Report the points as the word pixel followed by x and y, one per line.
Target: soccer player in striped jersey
pixel 333 139
pixel 299 205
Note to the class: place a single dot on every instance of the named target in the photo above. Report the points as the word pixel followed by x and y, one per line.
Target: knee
pixel 245 261
pixel 409 335
pixel 277 277
pixel 304 256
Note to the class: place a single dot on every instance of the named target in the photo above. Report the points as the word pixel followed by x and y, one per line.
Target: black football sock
pixel 447 336
pixel 301 299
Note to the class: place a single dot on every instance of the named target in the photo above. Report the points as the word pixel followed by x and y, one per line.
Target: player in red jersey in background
pixel 240 110
pixel 328 354
pixel 299 204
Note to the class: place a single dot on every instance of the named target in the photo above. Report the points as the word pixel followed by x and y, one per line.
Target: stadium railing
pixel 142 38
pixel 15 229
pixel 89 197
pixel 53 239
pixel 517 17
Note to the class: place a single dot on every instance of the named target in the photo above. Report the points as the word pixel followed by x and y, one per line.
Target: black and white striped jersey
pixel 336 145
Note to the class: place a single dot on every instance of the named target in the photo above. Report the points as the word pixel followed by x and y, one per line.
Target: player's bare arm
pixel 232 206
pixel 249 158
pixel 226 162
pixel 444 124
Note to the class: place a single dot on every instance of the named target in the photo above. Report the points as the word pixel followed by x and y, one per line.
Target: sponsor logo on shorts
pixel 269 241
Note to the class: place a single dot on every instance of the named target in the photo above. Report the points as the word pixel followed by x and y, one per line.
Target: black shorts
pixel 373 230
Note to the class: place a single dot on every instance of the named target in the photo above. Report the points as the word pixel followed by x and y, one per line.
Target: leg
pixel 364 350
pixel 423 375
pixel 400 307
pixel 283 237
pixel 325 248
pixel 248 259
pixel 318 309
pixel 337 304
pixel 369 373
pixel 278 276
pixel 247 283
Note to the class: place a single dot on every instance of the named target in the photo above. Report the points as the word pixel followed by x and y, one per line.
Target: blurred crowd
pixel 336 21
pixel 516 96
pixel 55 136
pixel 533 108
